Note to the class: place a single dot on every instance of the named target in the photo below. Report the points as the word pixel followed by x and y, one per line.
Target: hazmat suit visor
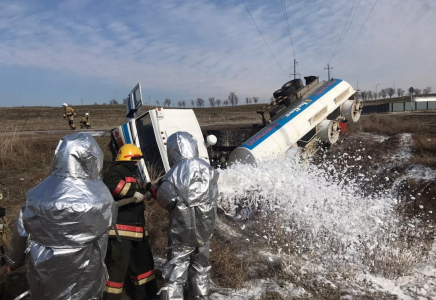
pixel 79 156
pixel 181 145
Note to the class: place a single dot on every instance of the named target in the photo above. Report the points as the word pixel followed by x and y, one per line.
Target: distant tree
pixel 200 103
pixel 179 103
pixel 125 100
pixel 248 100
pixel 167 102
pixel 157 102
pixel 212 101
pixel 226 102
pixel 95 103
pixel 113 102
pixel 390 92
pixel 218 102
pixel 104 103
pixel 427 90
pixel 400 92
pixel 417 91
pixel 233 99
pixel 364 94
pixel 255 100
pixel 375 95
pixel 370 95
pixel 192 103
pixel 183 103
pixel 383 93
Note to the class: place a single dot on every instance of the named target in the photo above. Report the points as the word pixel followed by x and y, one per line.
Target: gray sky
pixel 64 51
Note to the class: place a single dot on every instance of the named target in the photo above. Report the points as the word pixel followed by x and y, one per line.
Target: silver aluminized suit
pixel 66 220
pixel 189 191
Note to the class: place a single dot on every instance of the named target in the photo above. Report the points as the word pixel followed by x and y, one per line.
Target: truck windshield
pixel 149 148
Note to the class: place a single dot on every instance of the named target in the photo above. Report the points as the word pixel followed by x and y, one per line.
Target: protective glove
pixel 139 197
pixel 152 189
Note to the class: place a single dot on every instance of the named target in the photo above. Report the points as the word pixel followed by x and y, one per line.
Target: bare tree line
pixel 231 100
pixel 383 93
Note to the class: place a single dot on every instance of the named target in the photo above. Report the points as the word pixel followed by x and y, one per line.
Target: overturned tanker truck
pixel 298 121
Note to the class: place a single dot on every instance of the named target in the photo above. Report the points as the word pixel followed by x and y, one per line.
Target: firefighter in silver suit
pixel 189 192
pixel 65 223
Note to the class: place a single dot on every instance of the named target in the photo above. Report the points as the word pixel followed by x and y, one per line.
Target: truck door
pixel 147 142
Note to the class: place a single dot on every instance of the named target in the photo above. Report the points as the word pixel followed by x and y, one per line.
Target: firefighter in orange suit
pixel 85 122
pixel 132 254
pixel 70 113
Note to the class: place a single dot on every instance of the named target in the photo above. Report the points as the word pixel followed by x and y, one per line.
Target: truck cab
pixel 149 132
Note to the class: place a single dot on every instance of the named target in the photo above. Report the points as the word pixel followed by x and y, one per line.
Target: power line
pixel 343 30
pixel 367 17
pixel 288 26
pixel 349 25
pixel 264 39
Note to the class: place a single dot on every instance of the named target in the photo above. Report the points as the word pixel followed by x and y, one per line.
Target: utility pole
pixel 148 100
pixel 81 100
pixel 295 68
pixel 328 68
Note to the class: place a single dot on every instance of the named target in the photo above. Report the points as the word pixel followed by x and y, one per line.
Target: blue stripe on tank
pixel 267 131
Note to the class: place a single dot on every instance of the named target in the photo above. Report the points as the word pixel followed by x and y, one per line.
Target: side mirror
pixel 211 140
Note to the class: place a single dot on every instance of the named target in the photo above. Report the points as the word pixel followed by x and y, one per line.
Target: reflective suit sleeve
pixel 18 244
pixel 167 195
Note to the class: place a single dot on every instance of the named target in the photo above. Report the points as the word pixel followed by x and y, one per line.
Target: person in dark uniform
pixel 132 254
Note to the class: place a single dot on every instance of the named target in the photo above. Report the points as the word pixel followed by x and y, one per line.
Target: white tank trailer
pixel 318 112
pixel 298 120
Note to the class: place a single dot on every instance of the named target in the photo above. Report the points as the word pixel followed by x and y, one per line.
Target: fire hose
pixel 126 201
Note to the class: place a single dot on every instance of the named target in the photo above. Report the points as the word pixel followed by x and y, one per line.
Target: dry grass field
pixel 25 161
pixel 106 116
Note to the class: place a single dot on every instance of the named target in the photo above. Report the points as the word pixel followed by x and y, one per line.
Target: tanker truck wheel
pixel 283 93
pixel 295 84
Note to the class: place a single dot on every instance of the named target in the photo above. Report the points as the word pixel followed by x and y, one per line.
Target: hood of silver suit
pixel 67 218
pixel 71 207
pixel 78 155
pixel 181 145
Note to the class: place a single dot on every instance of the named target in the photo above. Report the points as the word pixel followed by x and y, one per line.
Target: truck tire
pixel 277 93
pixel 283 93
pixel 295 83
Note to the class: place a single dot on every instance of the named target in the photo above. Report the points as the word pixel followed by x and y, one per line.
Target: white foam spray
pixel 321 213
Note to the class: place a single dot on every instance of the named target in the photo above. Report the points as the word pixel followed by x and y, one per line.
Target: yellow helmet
pixel 129 152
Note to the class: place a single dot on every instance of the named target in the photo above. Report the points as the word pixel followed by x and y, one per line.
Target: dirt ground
pixel 25 161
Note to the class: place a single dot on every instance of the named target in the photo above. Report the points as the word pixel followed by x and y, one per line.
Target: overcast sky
pixel 63 51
